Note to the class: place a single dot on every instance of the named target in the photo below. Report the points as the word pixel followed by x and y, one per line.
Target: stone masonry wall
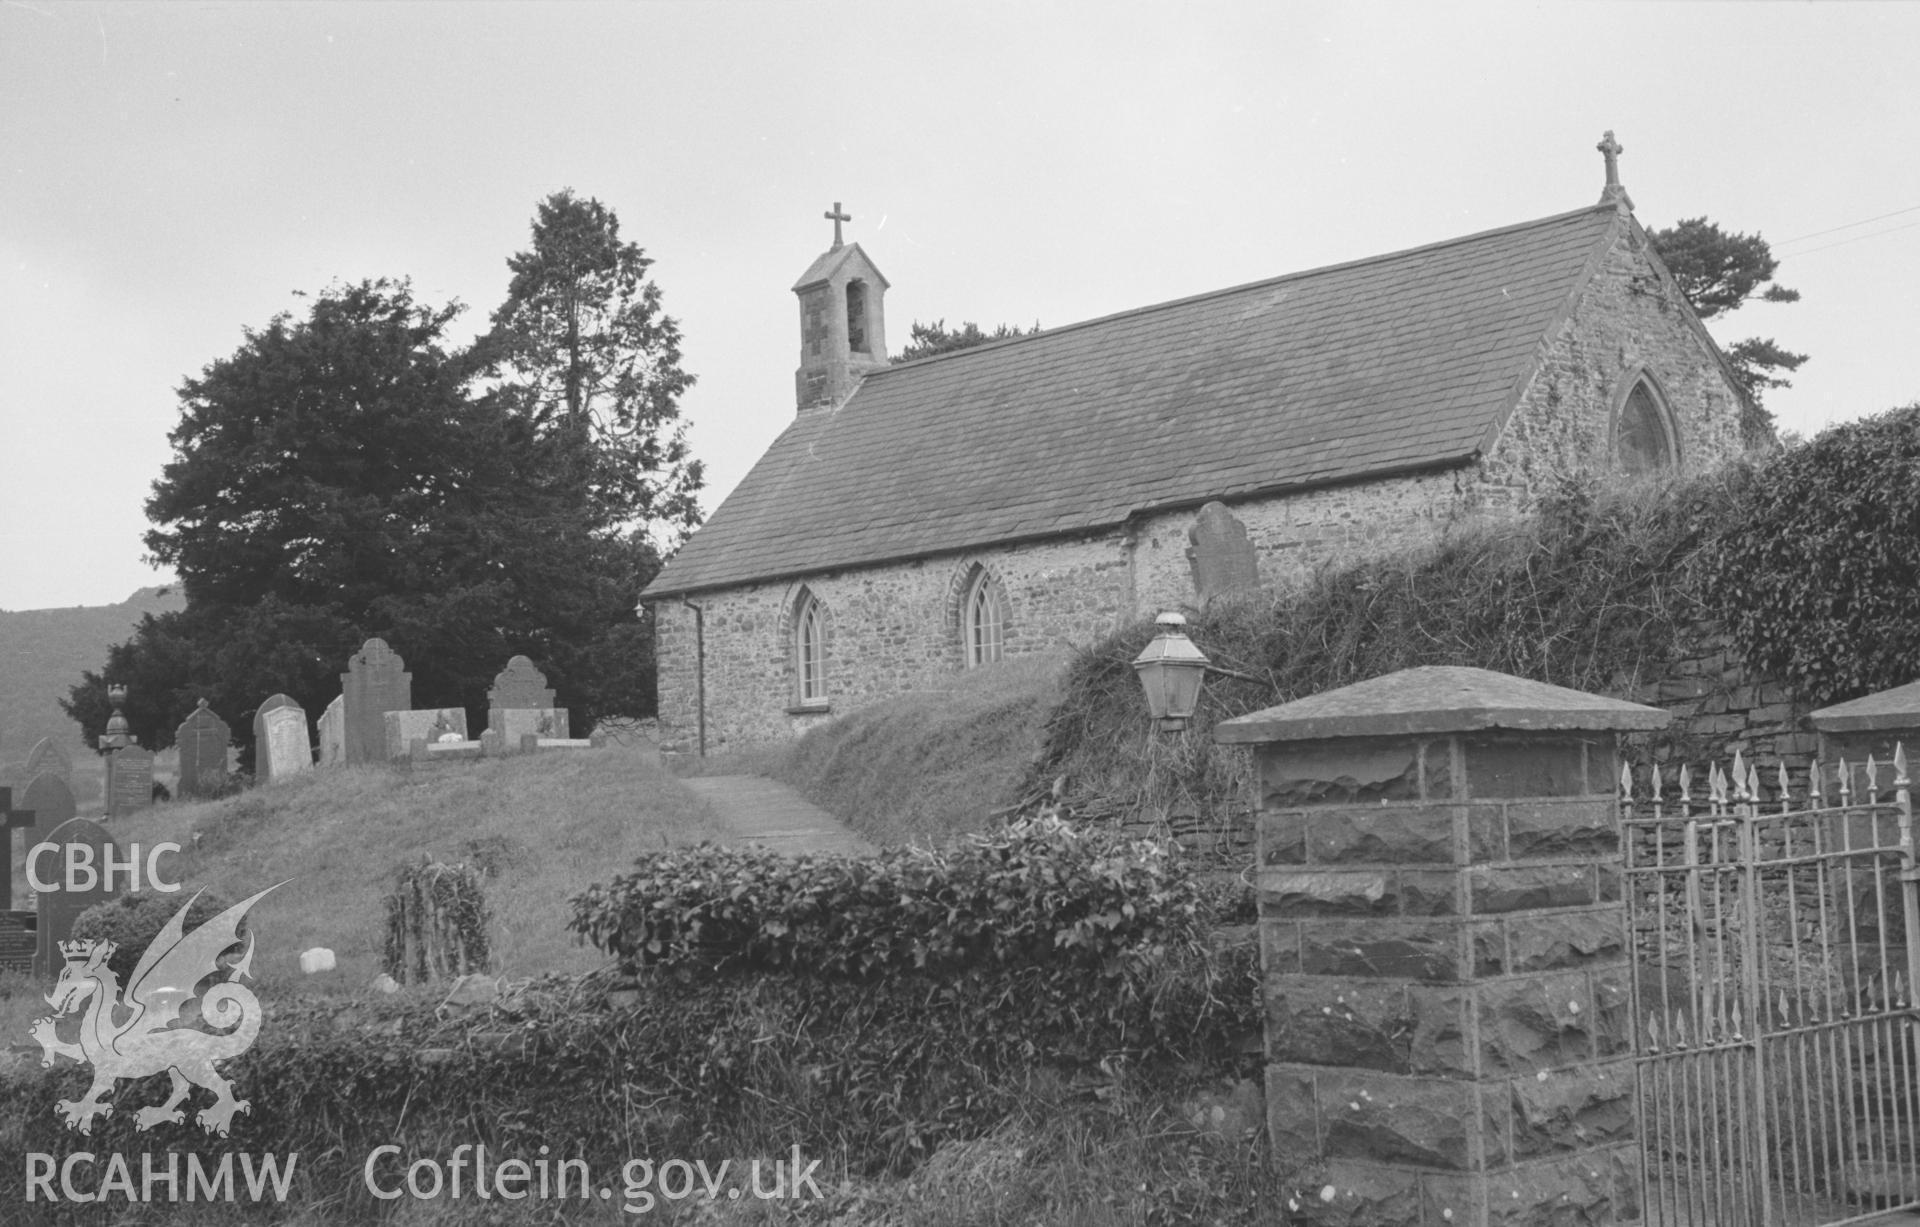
pixel 894 628
pixel 1446 983
pixel 889 630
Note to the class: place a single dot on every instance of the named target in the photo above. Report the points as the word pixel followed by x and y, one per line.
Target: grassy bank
pixel 920 767
pixel 542 827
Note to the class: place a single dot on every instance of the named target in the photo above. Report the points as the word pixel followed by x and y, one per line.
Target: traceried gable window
pixel 810 651
pixel 983 619
pixel 1642 439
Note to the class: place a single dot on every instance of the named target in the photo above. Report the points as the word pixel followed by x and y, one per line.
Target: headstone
pixel 520 684
pixel 405 727
pixel 515 724
pixel 282 748
pixel 520 705
pixel 51 801
pixel 11 820
pixel 60 907
pixel 203 739
pixel 375 683
pixel 333 733
pixel 129 780
pixel 49 755
pixel 1223 560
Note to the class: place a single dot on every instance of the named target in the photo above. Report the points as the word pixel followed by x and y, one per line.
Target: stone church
pixel 923 518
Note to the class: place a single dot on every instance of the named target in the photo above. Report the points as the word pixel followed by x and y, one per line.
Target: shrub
pixel 132 921
pixel 1817 557
pixel 1038 893
pixel 437 919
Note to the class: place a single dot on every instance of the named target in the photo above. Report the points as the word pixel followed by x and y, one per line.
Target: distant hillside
pixel 45 651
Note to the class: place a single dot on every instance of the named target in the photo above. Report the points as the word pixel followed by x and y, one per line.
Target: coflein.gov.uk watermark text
pixel 471 1172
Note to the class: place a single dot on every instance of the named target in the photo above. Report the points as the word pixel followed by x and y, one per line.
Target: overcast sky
pixel 174 173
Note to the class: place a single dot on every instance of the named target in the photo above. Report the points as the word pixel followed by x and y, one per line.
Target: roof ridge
pixel 1604 207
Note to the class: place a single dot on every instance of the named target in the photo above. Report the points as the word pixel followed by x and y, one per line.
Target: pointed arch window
pixel 1643 432
pixel 983 619
pixel 810 651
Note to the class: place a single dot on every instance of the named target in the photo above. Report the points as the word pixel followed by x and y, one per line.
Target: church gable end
pixel 1629 383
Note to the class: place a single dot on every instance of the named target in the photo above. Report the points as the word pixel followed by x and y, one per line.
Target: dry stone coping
pixel 1437 699
pixel 1898 708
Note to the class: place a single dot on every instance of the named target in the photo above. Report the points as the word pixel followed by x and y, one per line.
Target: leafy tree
pixel 1718 272
pixel 590 362
pixel 335 479
pixel 926 340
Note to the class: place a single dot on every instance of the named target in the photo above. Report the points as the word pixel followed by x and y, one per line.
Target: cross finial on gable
pixel 1611 150
pixel 836 217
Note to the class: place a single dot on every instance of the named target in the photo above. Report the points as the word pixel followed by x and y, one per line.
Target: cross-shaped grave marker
pixel 836 217
pixel 11 820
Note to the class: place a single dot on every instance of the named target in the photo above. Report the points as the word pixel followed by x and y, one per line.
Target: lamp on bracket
pixel 1170 669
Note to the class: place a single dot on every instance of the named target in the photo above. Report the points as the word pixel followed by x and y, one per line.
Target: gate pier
pixel 1445 949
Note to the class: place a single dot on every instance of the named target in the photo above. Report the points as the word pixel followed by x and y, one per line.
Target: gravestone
pixel 51 801
pixel 203 739
pixel 333 733
pixel 375 683
pixel 129 780
pixel 49 755
pixel 23 820
pixel 520 705
pixel 431 725
pixel 60 907
pixel 1221 557
pixel 520 684
pixel 281 746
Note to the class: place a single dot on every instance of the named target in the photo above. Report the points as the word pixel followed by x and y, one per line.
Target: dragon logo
pixel 143 1033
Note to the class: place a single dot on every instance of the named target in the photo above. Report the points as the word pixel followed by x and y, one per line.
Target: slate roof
pixel 825 264
pixel 1387 365
pixel 1437 699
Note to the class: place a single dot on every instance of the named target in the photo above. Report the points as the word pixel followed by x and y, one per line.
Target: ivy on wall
pixel 1815 565
pixel 1809 558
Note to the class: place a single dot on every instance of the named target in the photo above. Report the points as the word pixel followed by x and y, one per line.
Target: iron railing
pixel 1777 1036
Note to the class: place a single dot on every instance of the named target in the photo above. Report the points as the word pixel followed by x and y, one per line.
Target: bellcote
pixel 843 332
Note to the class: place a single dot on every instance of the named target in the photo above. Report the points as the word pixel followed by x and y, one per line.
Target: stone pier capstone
pixel 1870 727
pixel 1443 941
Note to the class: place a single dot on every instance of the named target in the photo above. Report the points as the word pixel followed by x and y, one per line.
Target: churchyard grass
pixel 931 764
pixel 543 827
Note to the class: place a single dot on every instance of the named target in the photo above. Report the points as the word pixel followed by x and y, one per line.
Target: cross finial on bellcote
pixel 836 217
pixel 1611 150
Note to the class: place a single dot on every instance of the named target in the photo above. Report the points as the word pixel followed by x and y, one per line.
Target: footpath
pixel 760 811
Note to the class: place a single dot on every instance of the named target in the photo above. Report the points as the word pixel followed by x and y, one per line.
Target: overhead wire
pixel 1850 225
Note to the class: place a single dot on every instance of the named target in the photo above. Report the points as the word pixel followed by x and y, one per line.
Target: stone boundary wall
pixel 1720 705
